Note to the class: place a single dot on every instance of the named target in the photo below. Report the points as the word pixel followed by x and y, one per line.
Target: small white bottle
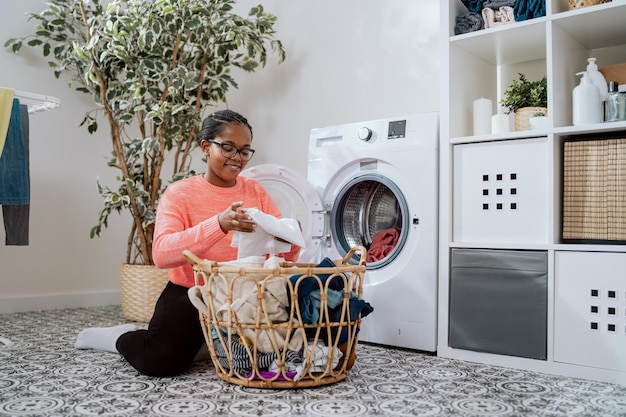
pixel 597 78
pixel 586 103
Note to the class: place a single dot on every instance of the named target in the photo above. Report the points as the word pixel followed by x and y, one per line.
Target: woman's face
pixel 222 171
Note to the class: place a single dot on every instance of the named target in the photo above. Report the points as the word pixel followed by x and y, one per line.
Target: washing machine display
pixel 373 184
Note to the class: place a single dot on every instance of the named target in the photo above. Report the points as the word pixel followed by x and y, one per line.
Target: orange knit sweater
pixel 187 219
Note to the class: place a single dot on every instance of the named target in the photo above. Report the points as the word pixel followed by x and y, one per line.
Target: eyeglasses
pixel 229 151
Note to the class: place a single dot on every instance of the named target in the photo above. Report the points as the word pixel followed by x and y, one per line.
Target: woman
pixel 199 214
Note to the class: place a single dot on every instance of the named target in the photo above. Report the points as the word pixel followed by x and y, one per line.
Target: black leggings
pixel 173 338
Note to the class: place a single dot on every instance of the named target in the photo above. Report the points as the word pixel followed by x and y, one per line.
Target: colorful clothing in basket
pixel 242 363
pixel 309 295
pixel 243 291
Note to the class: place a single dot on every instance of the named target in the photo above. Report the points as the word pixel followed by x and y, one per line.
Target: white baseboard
pixel 20 304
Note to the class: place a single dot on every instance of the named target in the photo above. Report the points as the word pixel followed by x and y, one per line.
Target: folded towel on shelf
pixel 468 22
pixel 473 6
pixel 493 18
pixel 529 9
pixel 496 4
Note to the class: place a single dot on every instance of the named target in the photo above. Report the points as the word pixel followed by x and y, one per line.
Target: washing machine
pixel 373 184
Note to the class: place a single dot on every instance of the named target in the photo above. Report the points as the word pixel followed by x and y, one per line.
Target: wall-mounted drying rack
pixel 37 102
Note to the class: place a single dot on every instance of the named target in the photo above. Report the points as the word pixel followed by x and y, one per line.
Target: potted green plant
pixel 152 67
pixel 526 99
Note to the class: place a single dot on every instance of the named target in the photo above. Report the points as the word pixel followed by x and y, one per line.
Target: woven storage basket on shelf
pixel 523 115
pixel 594 190
pixel 577 4
pixel 140 287
pixel 242 339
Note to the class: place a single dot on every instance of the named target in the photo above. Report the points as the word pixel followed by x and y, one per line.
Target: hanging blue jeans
pixel 14 177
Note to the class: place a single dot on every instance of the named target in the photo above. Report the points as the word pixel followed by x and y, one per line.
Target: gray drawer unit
pixel 499 302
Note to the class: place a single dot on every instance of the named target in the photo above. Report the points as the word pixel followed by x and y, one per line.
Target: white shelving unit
pixel 482 64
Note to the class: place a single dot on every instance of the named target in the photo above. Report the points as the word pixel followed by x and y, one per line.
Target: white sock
pixel 102 338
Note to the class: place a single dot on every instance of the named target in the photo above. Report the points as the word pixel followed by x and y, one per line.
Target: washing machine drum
pixel 372 212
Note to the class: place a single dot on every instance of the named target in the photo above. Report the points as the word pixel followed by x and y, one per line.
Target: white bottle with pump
pixel 597 78
pixel 586 103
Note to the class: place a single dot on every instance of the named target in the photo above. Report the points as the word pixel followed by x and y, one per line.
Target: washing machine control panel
pixel 365 133
pixel 397 129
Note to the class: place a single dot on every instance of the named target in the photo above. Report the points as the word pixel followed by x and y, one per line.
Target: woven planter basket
pixel 523 115
pixel 577 4
pixel 140 287
pixel 242 336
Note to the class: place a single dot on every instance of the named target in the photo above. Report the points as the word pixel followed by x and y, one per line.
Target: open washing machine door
pixel 371 211
pixel 296 198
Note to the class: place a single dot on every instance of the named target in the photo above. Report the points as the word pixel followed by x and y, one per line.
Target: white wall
pixel 347 61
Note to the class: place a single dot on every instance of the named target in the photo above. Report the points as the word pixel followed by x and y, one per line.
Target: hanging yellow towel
pixel 6 104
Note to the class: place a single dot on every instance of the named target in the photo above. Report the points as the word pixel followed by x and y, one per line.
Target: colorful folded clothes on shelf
pixel 484 14
pixel 473 6
pixel 468 22
pixel 496 4
pixel 494 18
pixel 529 9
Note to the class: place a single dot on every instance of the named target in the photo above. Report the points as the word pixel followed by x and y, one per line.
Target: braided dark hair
pixel 214 124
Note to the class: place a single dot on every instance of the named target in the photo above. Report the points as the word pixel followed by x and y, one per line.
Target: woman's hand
pixel 235 218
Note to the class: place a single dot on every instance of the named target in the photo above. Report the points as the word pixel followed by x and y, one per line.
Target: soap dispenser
pixel 597 78
pixel 586 102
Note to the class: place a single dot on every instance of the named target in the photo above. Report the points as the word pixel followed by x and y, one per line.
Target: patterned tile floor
pixel 42 374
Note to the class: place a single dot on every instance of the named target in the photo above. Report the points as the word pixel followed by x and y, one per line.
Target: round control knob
pixel 365 133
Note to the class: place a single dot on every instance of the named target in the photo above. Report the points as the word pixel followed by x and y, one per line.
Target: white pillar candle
pixel 482 116
pixel 500 123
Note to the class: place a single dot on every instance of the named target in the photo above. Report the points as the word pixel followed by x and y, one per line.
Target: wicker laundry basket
pixel 243 337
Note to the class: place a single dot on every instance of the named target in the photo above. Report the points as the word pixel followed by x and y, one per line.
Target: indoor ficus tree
pixel 152 67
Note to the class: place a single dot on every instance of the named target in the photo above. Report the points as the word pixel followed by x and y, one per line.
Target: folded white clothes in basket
pixel 197 295
pixel 262 241
pixel 244 293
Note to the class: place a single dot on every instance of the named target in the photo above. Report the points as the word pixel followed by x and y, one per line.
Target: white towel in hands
pixel 262 241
